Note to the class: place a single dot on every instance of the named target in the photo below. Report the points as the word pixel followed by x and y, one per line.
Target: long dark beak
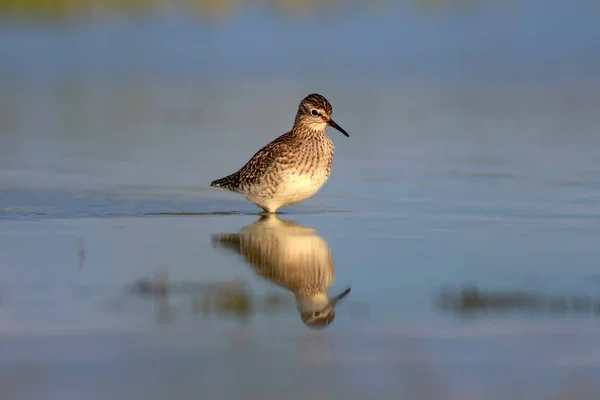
pixel 332 124
pixel 339 297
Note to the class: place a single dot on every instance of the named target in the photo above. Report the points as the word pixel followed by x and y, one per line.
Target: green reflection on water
pixel 228 299
pixel 473 300
pixel 64 10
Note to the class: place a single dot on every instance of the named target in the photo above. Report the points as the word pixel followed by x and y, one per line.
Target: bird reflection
pixel 293 257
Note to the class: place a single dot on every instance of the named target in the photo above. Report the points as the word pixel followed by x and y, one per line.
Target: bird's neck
pixel 312 302
pixel 308 131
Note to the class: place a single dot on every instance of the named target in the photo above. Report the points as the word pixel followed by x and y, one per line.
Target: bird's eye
pixel 314 112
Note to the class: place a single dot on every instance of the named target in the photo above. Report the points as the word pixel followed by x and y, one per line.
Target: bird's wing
pixel 264 159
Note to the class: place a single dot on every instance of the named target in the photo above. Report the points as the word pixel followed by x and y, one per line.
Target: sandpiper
pixel 293 257
pixel 292 167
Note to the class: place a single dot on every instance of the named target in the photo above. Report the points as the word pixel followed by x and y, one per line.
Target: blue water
pixel 472 160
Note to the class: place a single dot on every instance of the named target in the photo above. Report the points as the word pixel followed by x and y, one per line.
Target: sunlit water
pixel 448 178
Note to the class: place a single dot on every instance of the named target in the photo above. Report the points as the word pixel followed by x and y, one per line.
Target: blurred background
pixel 463 210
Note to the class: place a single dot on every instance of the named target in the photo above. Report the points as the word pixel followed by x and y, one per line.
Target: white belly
pixel 299 188
pixel 293 189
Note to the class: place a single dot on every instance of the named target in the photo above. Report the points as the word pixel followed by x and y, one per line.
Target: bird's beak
pixel 339 297
pixel 332 124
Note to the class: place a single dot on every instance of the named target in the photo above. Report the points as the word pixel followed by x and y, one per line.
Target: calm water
pixel 473 158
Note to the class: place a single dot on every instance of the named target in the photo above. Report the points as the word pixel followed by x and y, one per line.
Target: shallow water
pixel 459 170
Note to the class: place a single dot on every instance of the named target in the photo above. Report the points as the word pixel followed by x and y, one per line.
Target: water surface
pixel 472 159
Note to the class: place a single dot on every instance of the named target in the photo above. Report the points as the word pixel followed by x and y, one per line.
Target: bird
pixel 291 256
pixel 294 166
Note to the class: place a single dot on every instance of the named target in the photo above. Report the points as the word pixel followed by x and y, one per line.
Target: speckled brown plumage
pixel 292 167
pixel 291 256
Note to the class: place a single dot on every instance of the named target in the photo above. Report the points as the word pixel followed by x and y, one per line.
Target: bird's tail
pixel 222 183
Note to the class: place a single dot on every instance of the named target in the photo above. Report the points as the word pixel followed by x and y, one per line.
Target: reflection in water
pixel 294 257
pixel 230 298
pixel 474 300
pixel 212 9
